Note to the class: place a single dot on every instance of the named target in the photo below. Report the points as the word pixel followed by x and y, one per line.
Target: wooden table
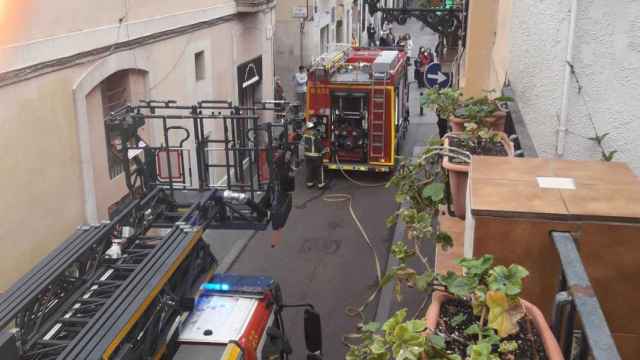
pixel 509 215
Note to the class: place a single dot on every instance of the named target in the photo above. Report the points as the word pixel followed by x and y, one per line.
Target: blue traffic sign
pixel 435 77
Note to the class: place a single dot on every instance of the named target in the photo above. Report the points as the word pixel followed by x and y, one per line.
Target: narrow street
pixel 322 258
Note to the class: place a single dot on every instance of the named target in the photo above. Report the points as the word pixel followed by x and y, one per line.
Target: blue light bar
pixel 215 287
pixel 238 284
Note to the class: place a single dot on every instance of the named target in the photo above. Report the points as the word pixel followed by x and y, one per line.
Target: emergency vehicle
pixel 361 96
pixel 238 317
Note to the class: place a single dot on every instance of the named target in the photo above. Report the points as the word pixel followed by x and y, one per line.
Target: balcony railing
pixel 253 5
pixel 576 296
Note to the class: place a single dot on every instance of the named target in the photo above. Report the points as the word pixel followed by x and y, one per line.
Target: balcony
pixel 252 6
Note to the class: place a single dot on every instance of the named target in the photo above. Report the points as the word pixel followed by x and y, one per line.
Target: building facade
pixel 307 28
pixel 64 65
pixel 525 44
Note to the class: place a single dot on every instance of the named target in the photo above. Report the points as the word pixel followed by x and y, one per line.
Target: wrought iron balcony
pixel 441 16
pixel 249 6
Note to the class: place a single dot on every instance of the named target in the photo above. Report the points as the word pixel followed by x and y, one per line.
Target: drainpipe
pixel 564 109
pixel 301 42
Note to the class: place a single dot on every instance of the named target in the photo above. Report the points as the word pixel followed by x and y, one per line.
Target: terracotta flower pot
pixel 495 122
pixel 459 175
pixel 551 347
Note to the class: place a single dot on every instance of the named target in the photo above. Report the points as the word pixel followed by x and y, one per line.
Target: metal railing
pixel 577 297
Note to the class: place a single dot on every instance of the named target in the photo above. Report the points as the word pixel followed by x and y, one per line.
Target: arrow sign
pixel 435 77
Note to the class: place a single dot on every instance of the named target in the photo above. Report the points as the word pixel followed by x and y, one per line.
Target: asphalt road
pixel 321 257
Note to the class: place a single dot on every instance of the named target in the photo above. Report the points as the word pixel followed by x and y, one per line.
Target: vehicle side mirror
pixel 312 331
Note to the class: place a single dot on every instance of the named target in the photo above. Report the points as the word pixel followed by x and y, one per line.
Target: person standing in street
pixel 300 82
pixel 408 46
pixel 278 93
pixel 421 62
pixel 313 152
pixel 371 34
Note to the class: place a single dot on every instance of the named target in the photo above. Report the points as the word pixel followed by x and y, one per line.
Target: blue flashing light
pixel 215 287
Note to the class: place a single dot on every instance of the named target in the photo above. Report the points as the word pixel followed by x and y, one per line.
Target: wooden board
pixel 527 243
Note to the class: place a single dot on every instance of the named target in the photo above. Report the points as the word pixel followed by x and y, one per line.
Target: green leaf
pixel 379 346
pixel 397 318
pixel 508 346
pixel 476 266
pixel 387 278
pixel 473 329
pixel 392 220
pixel 434 191
pixel 508 281
pixel 372 327
pixel 609 156
pixel 503 99
pixel 444 240
pixel 423 281
pixel 437 341
pixel 480 351
pixel 416 326
pixel 462 286
pixel 458 319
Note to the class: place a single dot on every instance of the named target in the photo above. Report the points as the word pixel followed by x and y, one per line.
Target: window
pixel 199 62
pixel 324 39
pixel 116 93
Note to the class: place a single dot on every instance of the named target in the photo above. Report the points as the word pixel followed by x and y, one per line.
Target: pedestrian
pixel 408 46
pixel 278 93
pixel 371 34
pixel 313 152
pixel 402 42
pixel 300 82
pixel 386 27
pixel 421 62
pixel 383 40
pixel 426 58
pixel 354 41
pixel 430 57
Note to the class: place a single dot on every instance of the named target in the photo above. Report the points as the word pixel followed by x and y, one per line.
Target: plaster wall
pixel 606 62
pixel 38 30
pixel 30 20
pixel 479 47
pixel 42 187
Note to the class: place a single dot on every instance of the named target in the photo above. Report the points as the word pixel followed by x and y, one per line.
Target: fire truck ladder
pixel 378 99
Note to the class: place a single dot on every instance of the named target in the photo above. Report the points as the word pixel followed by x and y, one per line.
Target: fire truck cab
pixel 361 97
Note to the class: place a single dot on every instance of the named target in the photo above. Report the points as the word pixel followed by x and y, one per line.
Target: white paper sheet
pixel 556 183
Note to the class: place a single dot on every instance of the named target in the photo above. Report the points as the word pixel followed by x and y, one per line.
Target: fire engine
pixel 361 96
pixel 143 284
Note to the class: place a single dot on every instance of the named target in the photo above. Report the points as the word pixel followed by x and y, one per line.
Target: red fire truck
pixel 361 96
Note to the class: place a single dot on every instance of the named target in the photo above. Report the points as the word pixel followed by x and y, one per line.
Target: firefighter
pixel 313 152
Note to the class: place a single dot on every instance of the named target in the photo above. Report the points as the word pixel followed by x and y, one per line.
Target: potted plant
pixel 474 140
pixel 477 316
pixel 444 103
pixel 482 111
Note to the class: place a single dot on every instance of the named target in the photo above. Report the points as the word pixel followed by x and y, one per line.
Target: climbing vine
pixel 598 138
